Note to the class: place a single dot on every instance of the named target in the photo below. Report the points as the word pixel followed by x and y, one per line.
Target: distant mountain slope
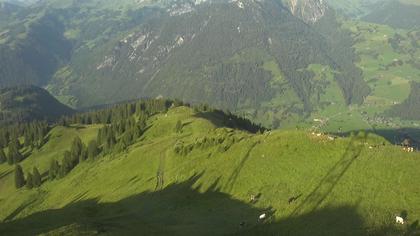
pixel 32 50
pixel 273 60
pixel 7 11
pixel 353 8
pixel 242 55
pixel 398 14
pixel 27 103
pixel 410 108
pixel 279 63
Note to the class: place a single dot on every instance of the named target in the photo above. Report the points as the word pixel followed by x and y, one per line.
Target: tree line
pixel 15 137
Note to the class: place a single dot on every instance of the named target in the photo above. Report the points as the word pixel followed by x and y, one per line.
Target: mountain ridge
pixel 23 104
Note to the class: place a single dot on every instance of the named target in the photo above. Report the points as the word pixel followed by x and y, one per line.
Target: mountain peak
pixel 309 11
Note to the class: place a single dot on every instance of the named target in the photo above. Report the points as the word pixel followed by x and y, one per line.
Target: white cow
pixel 262 216
pixel 399 220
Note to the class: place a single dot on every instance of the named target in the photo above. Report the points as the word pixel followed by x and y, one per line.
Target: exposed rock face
pixel 309 11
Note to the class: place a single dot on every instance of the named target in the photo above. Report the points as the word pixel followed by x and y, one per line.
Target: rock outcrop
pixel 309 11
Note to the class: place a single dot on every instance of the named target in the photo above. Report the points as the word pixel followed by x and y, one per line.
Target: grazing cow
pixel 293 199
pixel 262 216
pixel 408 149
pixel 254 198
pixel 399 220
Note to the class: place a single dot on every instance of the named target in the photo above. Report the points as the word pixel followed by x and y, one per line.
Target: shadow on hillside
pixel 333 176
pixel 181 209
pixel 6 173
pixel 235 174
pixel 394 136
pixel 221 119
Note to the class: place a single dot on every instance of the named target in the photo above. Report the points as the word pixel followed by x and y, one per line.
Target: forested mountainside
pixel 241 55
pixel 31 55
pixel 218 58
pixel 28 103
pixel 7 11
pixel 279 63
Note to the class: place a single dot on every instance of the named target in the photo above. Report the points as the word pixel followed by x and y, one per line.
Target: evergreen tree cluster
pixel 33 133
pixel 409 109
pixel 13 155
pixel 78 153
pixel 120 134
pixel 33 180
pixel 123 124
pixel 33 136
pixel 119 112
pixel 229 120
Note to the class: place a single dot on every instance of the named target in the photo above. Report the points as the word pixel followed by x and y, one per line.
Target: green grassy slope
pixel 342 186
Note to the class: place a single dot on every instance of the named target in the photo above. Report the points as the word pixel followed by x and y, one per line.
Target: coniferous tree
pixel 66 164
pixel 3 157
pixel 54 170
pixel 29 181
pixel 93 149
pixel 110 140
pixel 62 121
pixel 137 132
pixel 36 178
pixel 178 127
pixel 100 135
pixel 19 178
pixel 10 158
pixel 127 138
pixel 27 138
pixel 76 150
pixel 14 156
pixel 16 143
pixel 41 143
pixel 84 154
